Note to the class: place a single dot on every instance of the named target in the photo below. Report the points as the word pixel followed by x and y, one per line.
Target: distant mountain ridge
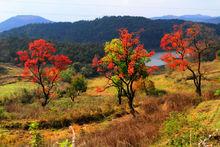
pixel 21 20
pixel 194 18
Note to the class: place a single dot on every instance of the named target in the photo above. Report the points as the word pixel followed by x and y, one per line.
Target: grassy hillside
pixel 211 111
pixel 198 125
pixel 97 118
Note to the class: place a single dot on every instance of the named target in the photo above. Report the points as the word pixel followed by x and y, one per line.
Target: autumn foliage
pixel 124 63
pixel 42 65
pixel 187 46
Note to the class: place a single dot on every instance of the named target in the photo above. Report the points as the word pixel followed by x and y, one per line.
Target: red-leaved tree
pixel 188 45
pixel 124 63
pixel 43 66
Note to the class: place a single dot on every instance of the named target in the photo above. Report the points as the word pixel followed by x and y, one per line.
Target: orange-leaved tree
pixel 188 45
pixel 43 66
pixel 124 63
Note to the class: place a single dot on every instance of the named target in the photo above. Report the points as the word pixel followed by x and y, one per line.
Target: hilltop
pixel 194 18
pixel 21 20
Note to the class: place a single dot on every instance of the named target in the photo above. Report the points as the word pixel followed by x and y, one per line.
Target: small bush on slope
pixel 148 86
pixel 77 86
pixel 27 96
pixel 3 70
pixel 67 74
pixel 3 113
pixel 37 139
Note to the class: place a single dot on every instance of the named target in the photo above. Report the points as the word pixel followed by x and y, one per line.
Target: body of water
pixel 155 60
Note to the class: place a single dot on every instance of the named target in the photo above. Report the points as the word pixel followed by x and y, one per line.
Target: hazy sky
pixel 73 10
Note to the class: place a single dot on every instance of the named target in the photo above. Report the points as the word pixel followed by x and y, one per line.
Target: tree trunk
pixel 198 90
pixel 198 87
pixel 72 98
pixel 130 103
pixel 197 82
pixel 119 100
pixel 119 96
pixel 45 102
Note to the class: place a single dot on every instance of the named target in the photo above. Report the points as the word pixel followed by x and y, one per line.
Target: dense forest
pixel 98 30
pixel 9 47
pixel 85 38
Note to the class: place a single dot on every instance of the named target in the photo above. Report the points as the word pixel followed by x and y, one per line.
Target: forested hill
pixel 98 30
pixel 83 39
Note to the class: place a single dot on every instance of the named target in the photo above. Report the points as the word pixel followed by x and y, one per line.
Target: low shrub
pixel 61 93
pixel 37 139
pixel 217 93
pixel 149 88
pixel 19 78
pixel 66 75
pixel 77 86
pixel 3 113
pixel 65 143
pixel 3 70
pixel 155 92
pixel 150 106
pixel 218 54
pixel 87 71
pixel 211 95
pixel 178 102
pixel 26 96
pixel 55 124
pixel 5 100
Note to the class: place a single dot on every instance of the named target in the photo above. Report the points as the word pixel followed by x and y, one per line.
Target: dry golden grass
pixel 11 70
pixel 141 130
pixel 101 82
pixel 175 81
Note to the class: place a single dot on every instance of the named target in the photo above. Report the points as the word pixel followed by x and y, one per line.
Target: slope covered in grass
pixel 198 125
pixel 211 111
pixel 10 89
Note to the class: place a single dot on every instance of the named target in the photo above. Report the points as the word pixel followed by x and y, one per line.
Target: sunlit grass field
pixel 10 89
